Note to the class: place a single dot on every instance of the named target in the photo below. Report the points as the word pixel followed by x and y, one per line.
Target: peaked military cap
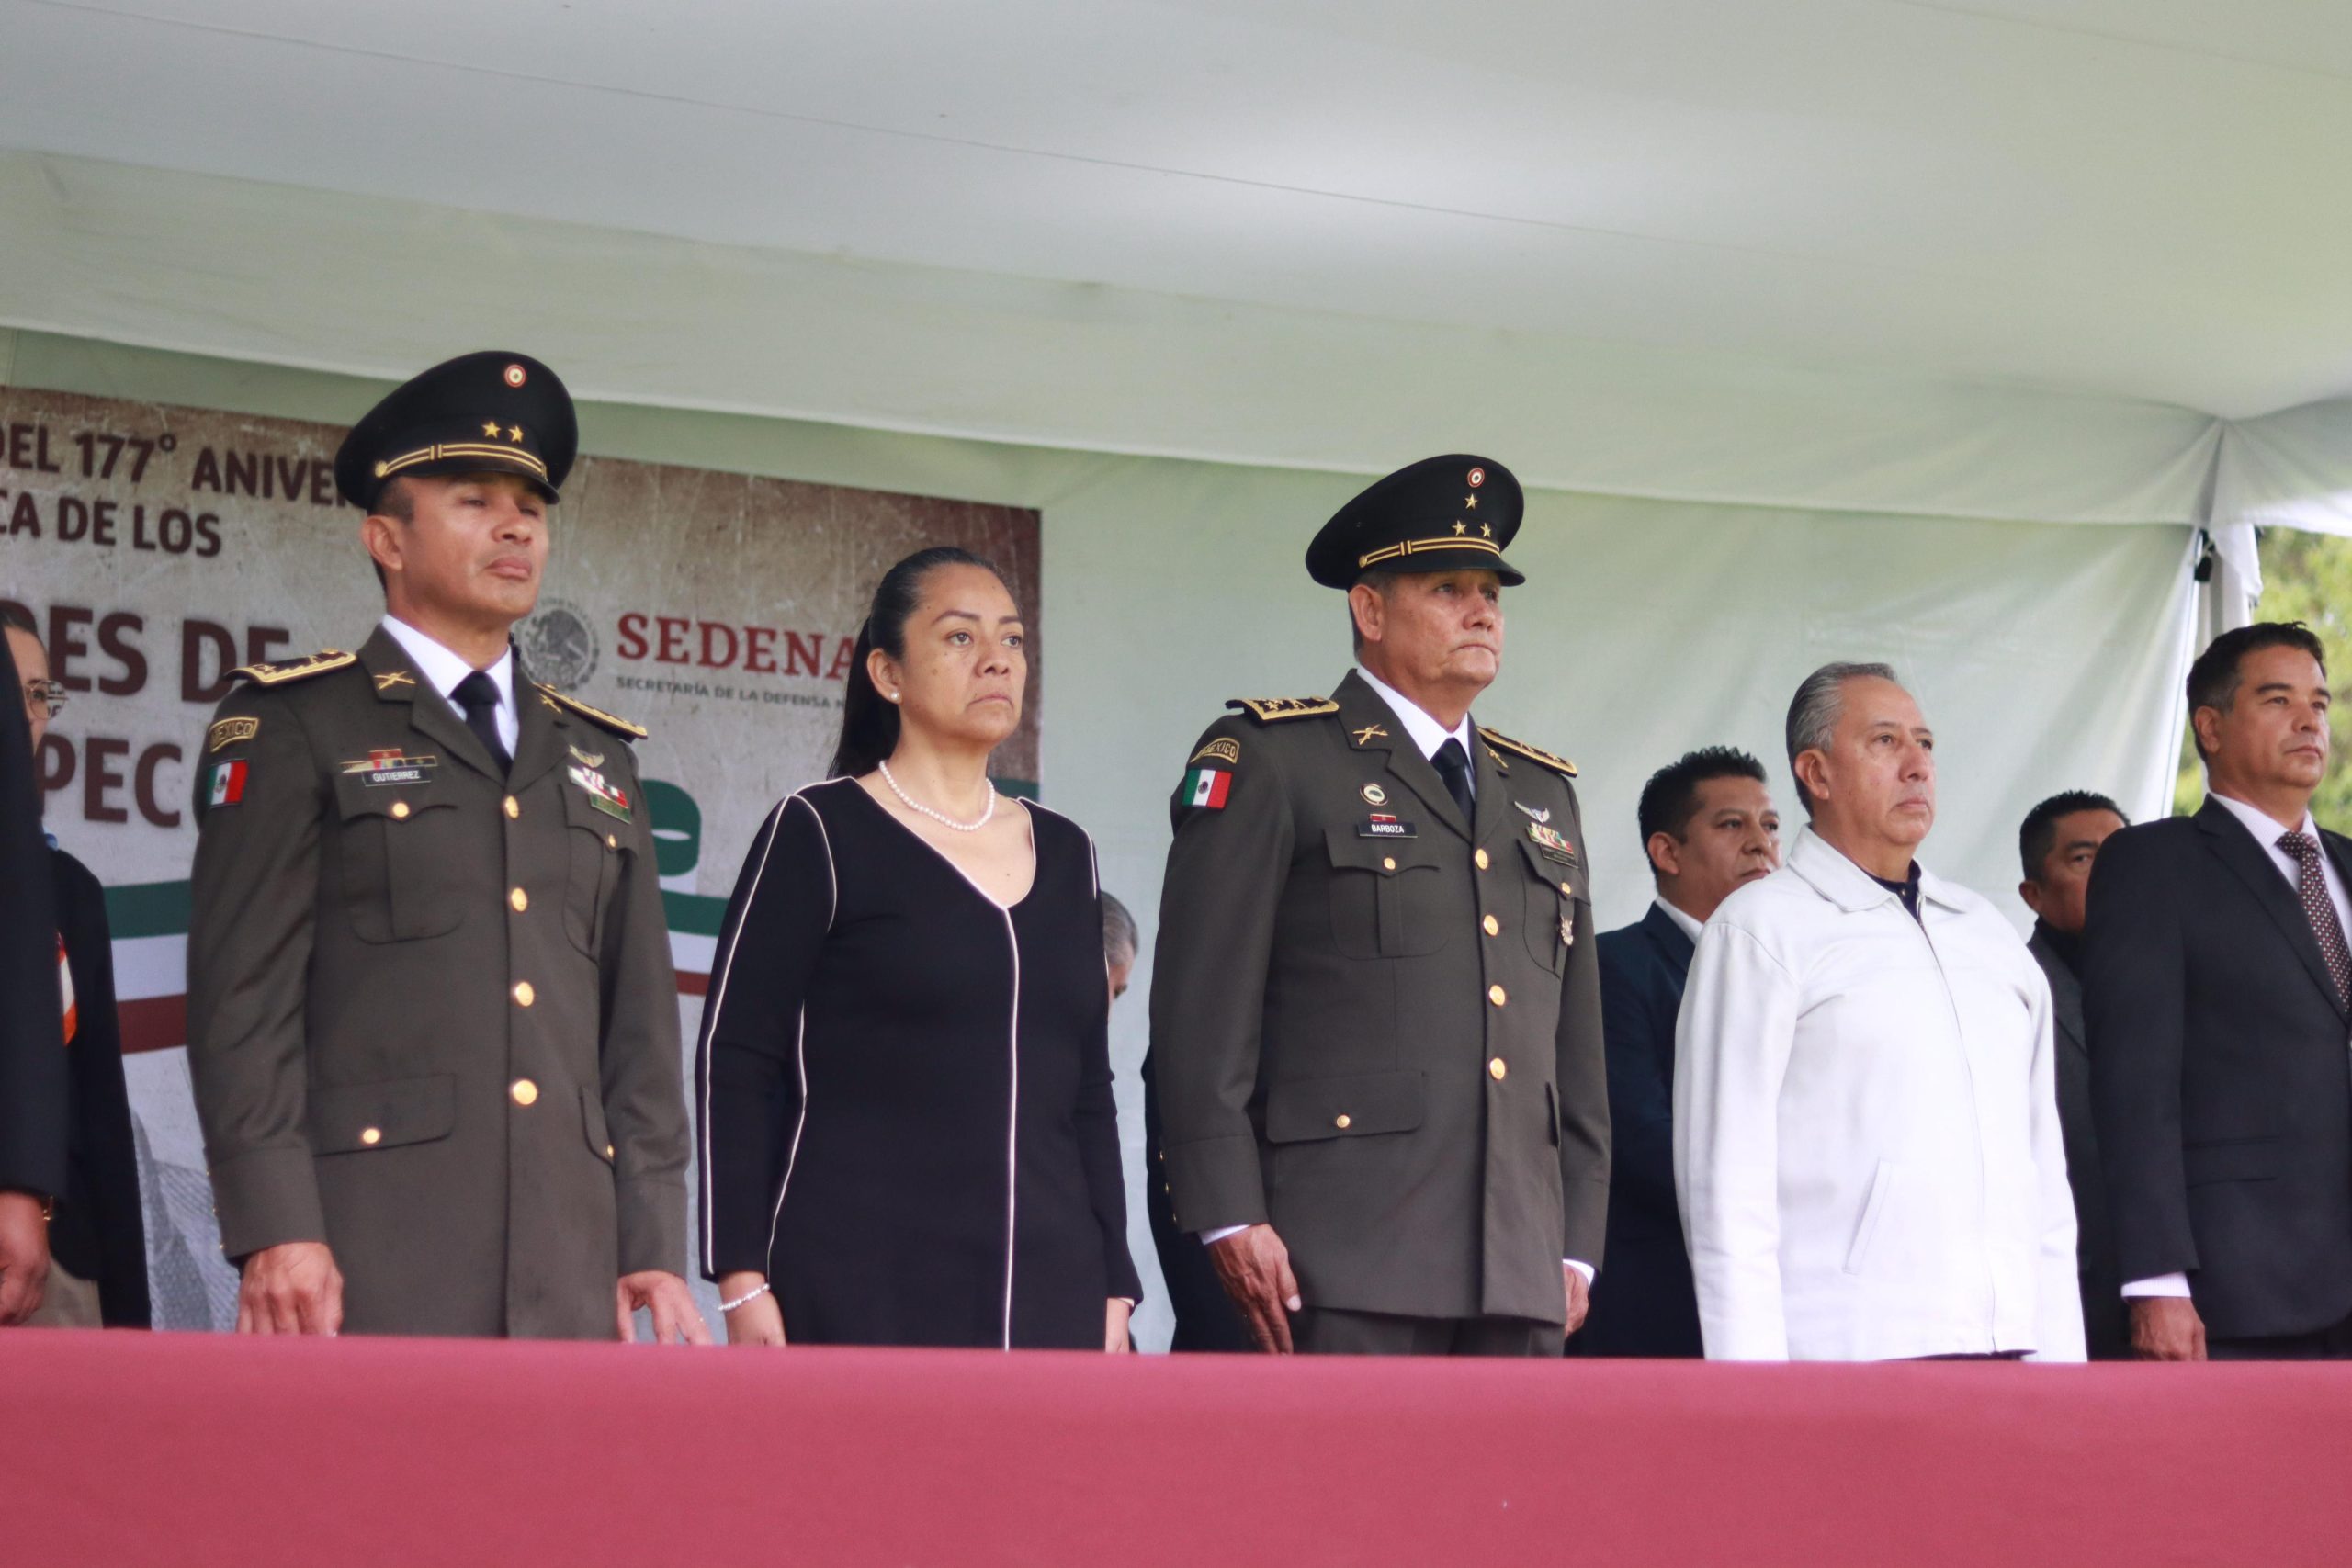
pixel 489 412
pixel 1450 514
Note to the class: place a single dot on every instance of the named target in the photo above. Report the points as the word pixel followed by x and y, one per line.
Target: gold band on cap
pixel 1416 546
pixel 434 454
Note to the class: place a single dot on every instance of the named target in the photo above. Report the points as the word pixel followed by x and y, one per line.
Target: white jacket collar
pixel 1828 872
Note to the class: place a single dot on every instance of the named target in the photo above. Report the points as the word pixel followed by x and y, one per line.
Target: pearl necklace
pixel 912 804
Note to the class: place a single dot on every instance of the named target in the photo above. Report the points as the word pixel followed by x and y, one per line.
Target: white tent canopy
pixel 2012 259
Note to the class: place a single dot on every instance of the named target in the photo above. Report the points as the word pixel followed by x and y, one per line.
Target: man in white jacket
pixel 1866 1139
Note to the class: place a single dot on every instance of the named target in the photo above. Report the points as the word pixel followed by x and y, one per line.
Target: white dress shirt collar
pixel 2266 831
pixel 1426 733
pixel 1681 918
pixel 443 669
pixel 2260 823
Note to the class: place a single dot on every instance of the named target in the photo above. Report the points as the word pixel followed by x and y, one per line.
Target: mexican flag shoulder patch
pixel 1205 787
pixel 227 785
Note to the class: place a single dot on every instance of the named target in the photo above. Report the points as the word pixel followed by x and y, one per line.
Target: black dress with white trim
pixel 905 1088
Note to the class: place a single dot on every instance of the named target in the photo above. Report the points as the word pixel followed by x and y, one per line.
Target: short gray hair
pixel 1380 583
pixel 1814 711
pixel 1120 938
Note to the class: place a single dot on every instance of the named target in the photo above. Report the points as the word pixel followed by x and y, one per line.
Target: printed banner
pixel 159 547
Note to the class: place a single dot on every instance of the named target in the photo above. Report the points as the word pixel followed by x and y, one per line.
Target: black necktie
pixel 478 695
pixel 1453 766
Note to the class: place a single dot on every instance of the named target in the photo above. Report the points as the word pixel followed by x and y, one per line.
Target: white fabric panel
pixel 2292 468
pixel 282 275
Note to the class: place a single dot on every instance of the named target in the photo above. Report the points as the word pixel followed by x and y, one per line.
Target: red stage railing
pixel 128 1448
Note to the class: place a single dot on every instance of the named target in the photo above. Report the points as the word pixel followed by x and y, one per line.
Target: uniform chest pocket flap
pixel 402 862
pixel 1386 896
pixel 595 842
pixel 1552 889
pixel 1356 1106
pixel 355 1117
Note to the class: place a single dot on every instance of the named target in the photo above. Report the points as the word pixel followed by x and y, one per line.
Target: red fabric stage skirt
pixel 167 1448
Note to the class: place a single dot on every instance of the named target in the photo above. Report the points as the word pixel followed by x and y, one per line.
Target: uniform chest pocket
pixel 1386 896
pixel 595 842
pixel 1552 887
pixel 402 860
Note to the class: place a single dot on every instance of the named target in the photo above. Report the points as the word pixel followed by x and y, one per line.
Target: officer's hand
pixel 1580 1297
pixel 759 1321
pixel 292 1288
pixel 1116 1313
pixel 1254 1267
pixel 675 1319
pixel 24 1256
pixel 2166 1329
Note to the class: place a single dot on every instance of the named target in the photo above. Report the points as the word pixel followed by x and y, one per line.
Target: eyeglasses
pixel 40 694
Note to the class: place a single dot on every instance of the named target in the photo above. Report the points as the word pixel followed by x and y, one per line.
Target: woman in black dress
pixel 904 1074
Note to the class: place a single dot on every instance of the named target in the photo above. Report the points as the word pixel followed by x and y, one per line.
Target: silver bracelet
pixel 744 1300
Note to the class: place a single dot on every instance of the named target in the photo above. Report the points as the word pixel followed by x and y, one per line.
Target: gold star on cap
pixel 514 432
pixel 491 429
pixel 1486 530
pixel 1462 527
pixel 1471 502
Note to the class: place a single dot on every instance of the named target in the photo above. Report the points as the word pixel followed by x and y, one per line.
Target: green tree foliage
pixel 2306 578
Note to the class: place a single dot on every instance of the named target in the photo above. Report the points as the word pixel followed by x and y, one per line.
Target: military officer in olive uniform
pixel 1375 1007
pixel 432 1012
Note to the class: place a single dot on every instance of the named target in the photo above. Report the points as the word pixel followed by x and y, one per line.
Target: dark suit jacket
pixel 2222 1086
pixel 2107 1331
pixel 1645 1304
pixel 98 1231
pixel 32 1054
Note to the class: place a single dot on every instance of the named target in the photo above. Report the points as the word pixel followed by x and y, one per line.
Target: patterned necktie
pixel 2320 909
pixel 1453 766
pixel 478 695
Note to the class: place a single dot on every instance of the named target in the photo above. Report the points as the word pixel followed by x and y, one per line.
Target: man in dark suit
pixel 1376 1012
pixel 2057 843
pixel 1708 826
pixel 97 1235
pixel 32 1056
pixel 2217 986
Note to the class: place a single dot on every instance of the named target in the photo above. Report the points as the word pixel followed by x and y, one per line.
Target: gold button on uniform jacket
pixel 432 1010
pixel 1377 1026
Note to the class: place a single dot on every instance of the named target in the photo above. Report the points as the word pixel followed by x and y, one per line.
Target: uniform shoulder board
pixel 1272 710
pixel 618 725
pixel 319 663
pixel 1533 753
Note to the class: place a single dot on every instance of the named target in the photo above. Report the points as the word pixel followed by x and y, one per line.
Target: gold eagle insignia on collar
pixel 1273 710
pixel 1533 753
pixel 596 716
pixel 319 663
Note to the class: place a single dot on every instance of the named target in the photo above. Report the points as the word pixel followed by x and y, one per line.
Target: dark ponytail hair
pixel 869 725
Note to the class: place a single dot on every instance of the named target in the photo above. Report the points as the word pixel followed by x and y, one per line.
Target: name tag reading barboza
pixel 1381 826
pixel 379 769
pixel 601 794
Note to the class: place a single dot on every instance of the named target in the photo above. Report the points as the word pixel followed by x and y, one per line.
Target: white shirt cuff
pixel 2162 1285
pixel 1210 1239
pixel 1586 1269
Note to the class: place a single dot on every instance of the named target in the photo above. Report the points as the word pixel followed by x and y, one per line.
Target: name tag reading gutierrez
pixel 379 769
